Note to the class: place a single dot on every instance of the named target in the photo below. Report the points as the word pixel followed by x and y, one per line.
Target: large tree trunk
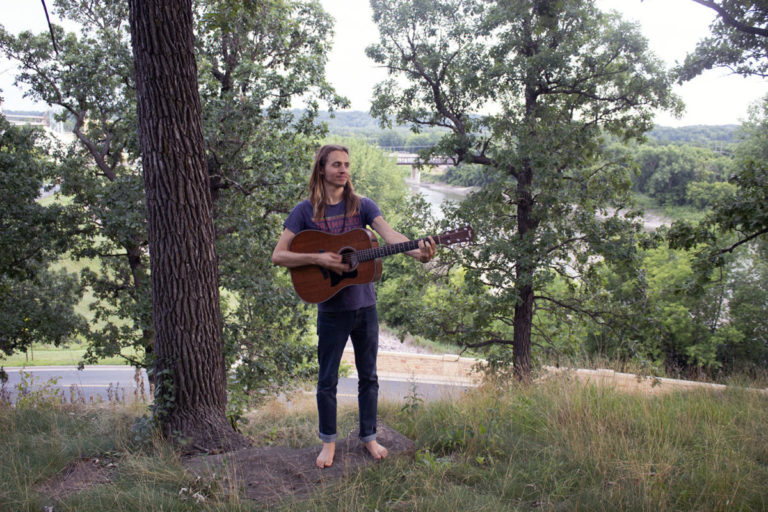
pixel 523 317
pixel 190 396
pixel 521 340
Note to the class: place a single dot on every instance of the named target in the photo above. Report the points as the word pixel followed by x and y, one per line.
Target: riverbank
pixel 390 342
pixel 444 188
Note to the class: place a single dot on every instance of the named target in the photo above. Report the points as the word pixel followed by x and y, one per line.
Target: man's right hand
pixel 333 262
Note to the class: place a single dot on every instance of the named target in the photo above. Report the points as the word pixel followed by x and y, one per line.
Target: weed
pixel 199 490
pixel 76 395
pixel 33 392
pixel 427 458
pixel 413 401
pixel 143 431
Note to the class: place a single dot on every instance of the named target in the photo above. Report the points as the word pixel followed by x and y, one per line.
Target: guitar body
pixel 315 284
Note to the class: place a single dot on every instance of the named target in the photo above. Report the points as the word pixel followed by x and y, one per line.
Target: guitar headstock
pixel 457 236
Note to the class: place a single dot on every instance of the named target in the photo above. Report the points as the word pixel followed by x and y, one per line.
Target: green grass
pixel 557 445
pixel 50 355
pixel 70 353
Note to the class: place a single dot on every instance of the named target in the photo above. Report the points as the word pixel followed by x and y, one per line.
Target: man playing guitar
pixel 333 207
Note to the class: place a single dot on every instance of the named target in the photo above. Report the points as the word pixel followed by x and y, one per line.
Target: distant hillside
pixel 352 119
pixel 361 123
pixel 355 122
pixel 696 134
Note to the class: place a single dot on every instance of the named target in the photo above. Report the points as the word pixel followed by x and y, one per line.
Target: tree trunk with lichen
pixel 190 394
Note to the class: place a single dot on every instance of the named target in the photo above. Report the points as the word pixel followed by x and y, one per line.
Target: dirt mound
pixel 273 473
pixel 78 476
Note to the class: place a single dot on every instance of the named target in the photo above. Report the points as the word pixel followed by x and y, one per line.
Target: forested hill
pixel 361 123
pixel 358 123
pixel 339 122
pixel 695 134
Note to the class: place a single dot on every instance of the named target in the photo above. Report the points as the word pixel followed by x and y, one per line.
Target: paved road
pixel 92 384
pixel 105 383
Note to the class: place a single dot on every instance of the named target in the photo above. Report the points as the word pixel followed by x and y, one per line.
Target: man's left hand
pixel 426 249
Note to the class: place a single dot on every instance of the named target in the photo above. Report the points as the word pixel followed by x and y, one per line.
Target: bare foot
pixel 325 458
pixel 376 450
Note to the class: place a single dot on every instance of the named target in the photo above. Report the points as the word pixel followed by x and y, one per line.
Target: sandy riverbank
pixel 441 187
pixel 389 342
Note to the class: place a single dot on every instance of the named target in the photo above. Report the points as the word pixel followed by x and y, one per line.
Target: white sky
pixel 672 27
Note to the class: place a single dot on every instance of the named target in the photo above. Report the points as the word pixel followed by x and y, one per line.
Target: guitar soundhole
pixel 348 255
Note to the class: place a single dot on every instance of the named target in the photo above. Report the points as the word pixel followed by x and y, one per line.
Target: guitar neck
pixel 390 249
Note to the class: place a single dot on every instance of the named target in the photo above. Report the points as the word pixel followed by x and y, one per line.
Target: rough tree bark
pixel 523 316
pixel 190 395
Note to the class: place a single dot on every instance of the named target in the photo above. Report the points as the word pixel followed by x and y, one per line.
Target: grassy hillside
pixel 557 445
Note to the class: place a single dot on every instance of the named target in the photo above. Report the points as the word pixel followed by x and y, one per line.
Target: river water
pixel 437 193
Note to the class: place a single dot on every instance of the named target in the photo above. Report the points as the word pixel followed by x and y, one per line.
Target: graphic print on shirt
pixel 338 223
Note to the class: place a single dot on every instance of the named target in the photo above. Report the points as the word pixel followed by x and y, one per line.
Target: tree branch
pixel 731 21
pixel 595 316
pixel 744 240
pixel 564 243
pixel 50 28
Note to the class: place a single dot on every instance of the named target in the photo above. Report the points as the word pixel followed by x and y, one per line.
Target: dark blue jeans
pixel 333 330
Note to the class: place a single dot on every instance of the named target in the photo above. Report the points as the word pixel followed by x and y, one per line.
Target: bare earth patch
pixel 273 473
pixel 78 476
pixel 264 474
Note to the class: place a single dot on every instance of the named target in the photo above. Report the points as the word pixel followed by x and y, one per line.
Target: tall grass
pixel 39 441
pixel 564 446
pixel 557 445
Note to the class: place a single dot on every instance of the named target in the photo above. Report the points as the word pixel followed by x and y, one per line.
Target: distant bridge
pixel 27 119
pixel 405 156
pixel 412 159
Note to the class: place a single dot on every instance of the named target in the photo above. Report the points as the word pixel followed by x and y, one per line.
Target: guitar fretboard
pixel 387 250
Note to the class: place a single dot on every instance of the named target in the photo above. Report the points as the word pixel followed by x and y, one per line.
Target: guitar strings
pixel 389 249
pixel 375 252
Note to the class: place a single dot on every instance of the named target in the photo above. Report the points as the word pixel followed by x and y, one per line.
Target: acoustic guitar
pixel 360 249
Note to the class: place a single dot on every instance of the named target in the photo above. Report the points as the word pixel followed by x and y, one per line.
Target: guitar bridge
pixel 335 277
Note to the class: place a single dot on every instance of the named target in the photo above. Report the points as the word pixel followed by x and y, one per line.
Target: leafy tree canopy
pixel 255 60
pixel 525 89
pixel 36 304
pixel 741 217
pixel 738 40
pixel 665 172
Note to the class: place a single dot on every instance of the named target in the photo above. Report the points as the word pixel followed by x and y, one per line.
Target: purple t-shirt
pixel 335 221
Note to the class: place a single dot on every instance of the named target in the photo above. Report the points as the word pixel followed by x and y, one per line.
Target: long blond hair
pixel 317 194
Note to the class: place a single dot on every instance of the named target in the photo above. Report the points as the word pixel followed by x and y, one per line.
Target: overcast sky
pixel 672 27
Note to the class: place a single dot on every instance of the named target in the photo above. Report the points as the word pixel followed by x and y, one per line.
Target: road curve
pixel 106 383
